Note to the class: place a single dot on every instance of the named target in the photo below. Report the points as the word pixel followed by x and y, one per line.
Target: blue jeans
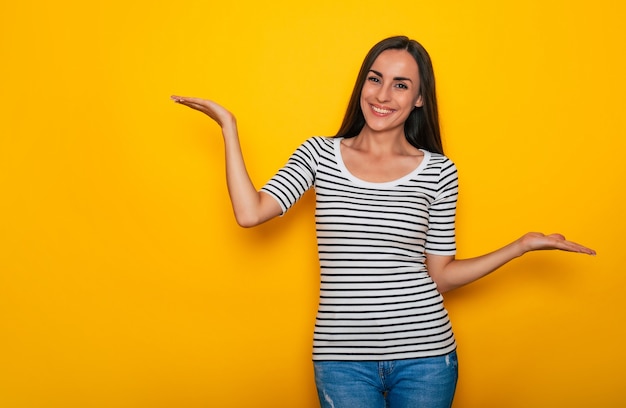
pixel 427 382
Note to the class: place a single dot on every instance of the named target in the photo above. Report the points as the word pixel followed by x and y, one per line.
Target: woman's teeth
pixel 380 110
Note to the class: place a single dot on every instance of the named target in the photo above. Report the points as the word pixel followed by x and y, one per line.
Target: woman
pixel 385 208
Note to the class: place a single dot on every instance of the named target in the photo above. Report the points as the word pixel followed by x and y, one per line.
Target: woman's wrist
pixel 520 246
pixel 229 128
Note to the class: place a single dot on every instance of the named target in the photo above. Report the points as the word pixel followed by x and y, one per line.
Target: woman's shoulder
pixel 319 144
pixel 442 165
pixel 438 158
pixel 325 140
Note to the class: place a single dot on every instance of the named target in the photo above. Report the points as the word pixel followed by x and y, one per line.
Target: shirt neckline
pixel 371 184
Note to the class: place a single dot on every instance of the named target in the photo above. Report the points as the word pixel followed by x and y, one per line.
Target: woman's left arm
pixel 450 273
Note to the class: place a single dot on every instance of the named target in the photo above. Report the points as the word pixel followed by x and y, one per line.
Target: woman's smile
pixel 381 110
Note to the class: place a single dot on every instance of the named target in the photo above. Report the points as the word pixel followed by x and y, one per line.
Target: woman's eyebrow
pixel 395 79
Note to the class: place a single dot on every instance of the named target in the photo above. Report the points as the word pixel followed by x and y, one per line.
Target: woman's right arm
pixel 251 207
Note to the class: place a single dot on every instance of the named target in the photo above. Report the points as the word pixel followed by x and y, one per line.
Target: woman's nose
pixel 383 94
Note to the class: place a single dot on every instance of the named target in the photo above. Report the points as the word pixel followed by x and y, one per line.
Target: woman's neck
pixel 382 143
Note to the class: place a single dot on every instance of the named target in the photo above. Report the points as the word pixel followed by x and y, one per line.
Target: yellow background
pixel 124 279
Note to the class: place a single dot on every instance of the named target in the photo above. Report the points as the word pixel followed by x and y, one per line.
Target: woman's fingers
pixel 215 111
pixel 564 244
pixel 538 241
pixel 195 103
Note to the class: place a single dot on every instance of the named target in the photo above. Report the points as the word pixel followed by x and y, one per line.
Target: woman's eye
pixel 373 79
pixel 402 86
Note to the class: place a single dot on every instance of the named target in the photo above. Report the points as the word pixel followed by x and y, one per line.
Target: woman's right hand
pixel 217 112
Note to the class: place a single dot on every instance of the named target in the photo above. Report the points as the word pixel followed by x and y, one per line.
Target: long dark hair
pixel 421 128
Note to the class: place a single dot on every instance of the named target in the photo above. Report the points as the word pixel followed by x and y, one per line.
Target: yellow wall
pixel 124 280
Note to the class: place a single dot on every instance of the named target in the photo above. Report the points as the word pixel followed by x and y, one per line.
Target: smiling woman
pixel 385 221
pixel 389 95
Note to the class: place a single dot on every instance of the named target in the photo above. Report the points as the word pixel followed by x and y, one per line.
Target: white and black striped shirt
pixel 377 301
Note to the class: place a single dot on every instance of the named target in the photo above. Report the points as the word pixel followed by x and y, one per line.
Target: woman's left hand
pixel 536 241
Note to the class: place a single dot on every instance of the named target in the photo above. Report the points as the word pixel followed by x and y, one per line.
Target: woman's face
pixel 390 91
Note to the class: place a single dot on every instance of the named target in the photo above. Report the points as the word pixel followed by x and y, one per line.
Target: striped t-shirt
pixel 377 301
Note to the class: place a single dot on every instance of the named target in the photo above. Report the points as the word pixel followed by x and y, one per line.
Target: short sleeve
pixel 441 236
pixel 296 177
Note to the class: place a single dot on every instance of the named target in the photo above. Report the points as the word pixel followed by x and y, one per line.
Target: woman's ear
pixel 419 102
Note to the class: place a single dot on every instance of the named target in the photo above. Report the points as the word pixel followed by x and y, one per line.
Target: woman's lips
pixel 380 110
